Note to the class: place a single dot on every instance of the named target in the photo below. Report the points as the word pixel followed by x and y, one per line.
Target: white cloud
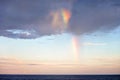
pixel 94 44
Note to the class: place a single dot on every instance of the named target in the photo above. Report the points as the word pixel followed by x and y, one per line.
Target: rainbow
pixel 60 20
pixel 75 45
pixel 66 16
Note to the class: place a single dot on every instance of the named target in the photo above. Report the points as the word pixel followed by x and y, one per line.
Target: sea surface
pixel 59 77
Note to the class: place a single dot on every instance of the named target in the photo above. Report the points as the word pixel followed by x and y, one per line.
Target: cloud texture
pixel 29 19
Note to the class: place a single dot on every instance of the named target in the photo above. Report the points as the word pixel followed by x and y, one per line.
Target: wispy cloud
pixel 94 44
pixel 93 65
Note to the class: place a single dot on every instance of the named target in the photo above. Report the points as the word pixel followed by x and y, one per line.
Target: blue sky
pixel 57 50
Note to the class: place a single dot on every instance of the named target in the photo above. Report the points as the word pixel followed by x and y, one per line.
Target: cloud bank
pixel 28 19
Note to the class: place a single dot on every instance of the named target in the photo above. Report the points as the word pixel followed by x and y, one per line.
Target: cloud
pixel 28 19
pixel 94 44
pixel 10 61
pixel 14 62
pixel 89 65
pixel 94 15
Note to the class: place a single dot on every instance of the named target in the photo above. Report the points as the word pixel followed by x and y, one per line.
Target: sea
pixel 59 77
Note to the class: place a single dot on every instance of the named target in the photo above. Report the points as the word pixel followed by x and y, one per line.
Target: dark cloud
pixel 29 19
pixel 23 15
pixel 93 15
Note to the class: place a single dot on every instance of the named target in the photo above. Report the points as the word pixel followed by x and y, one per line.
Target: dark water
pixel 59 77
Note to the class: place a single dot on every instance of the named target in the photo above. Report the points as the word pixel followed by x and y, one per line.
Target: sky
pixel 59 37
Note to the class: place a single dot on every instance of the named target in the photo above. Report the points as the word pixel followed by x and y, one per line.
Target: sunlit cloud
pixel 93 65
